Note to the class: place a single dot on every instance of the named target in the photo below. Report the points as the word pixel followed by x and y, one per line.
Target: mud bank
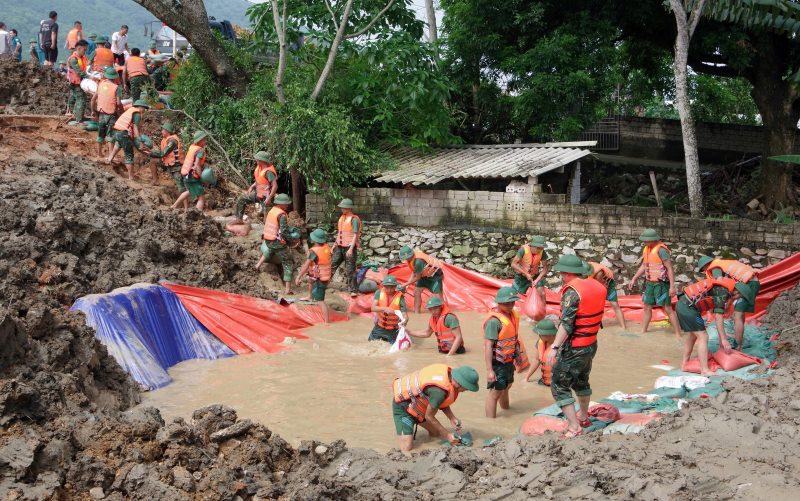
pixel 30 88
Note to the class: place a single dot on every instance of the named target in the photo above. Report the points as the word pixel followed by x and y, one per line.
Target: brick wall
pixel 548 214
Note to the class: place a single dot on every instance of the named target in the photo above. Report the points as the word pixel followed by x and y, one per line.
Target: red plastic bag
pixel 693 365
pixel 734 360
pixel 539 425
pixel 534 306
pixel 639 418
pixel 241 229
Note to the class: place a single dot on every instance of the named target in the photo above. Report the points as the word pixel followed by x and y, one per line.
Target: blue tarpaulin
pixel 147 330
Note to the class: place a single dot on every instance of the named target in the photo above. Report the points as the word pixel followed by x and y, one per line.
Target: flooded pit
pixel 337 385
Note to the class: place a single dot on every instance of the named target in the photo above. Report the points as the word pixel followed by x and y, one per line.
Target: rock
pixel 762 252
pixel 213 418
pixel 605 262
pixel 746 252
pixel 461 250
pixel 777 254
pixel 753 204
pixel 629 258
pixel 320 450
pixel 567 250
pixel 476 260
pixel 382 252
pixel 375 243
pixel 239 428
pixel 437 245
pixel 583 245
pixel 483 251
pixel 794 405
pixel 97 493
pixel 683 279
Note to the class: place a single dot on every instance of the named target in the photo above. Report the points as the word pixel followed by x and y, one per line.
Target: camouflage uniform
pixel 272 249
pixel 573 365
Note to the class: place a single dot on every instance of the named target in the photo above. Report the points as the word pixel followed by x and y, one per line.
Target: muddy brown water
pixel 337 385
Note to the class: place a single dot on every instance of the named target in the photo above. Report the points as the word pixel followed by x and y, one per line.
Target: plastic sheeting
pixel 247 324
pixel 147 330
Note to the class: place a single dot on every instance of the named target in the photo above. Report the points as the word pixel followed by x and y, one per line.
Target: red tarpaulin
pixel 246 324
pixel 466 290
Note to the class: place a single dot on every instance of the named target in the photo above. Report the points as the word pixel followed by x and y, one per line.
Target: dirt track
pixel 71 227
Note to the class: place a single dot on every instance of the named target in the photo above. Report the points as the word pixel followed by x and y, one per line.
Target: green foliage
pixel 784 215
pixel 789 159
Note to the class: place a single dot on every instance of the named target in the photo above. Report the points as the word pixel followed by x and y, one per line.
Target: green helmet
pixel 346 203
pixel 318 236
pixel 746 291
pixel 545 327
pixel 389 280
pixel 110 73
pixel 102 39
pixel 570 263
pixel 262 156
pixel 538 241
pixel 32 41
pixel 167 126
pixel 199 136
pixel 649 235
pixel 152 45
pixel 466 376
pixel 140 103
pixel 282 199
pixel 506 295
pixel 93 35
pixel 703 262
pixel 433 302
pixel 406 253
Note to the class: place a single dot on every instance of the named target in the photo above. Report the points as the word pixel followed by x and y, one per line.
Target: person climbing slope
pixel 385 303
pixel 106 103
pixel 445 326
pixel 503 350
pixel 659 279
pixel 191 172
pixel 276 229
pixel 318 267
pixel 426 273
pixel 419 396
pixel 546 330
pixel 126 134
pixel 171 156
pixel 263 189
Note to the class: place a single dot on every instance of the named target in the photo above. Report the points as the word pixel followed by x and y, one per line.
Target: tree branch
pixel 280 29
pixel 337 40
pixel 695 16
pixel 371 23
pixel 333 16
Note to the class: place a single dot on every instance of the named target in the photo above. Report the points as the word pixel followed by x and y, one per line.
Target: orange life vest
pixel 699 293
pixel 321 270
pixel 107 97
pixel 547 371
pixel 531 261
pixel 385 320
pixel 125 121
pixel 508 346
pixel 136 66
pixel 444 335
pixel 589 316
pixel 153 52
pixel 73 36
pixel 346 235
pixel 433 264
pixel 193 164
pixel 102 58
pixel 263 184
pixel 412 388
pixel 174 157
pixel 654 269
pixel 598 269
pixel 730 268
pixel 272 227
pixel 83 62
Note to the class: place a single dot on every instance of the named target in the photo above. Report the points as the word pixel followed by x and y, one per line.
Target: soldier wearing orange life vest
pixel 531 266
pixel 503 350
pixel 76 71
pixel 444 325
pixel 605 276
pixel 103 57
pixel 426 273
pixel 191 172
pixel 263 189
pixel 318 267
pixel 276 231
pixel 74 36
pixel 417 397
pixel 135 74
pixel 106 104
pixel 348 239
pixel 720 268
pixel 659 279
pixel 385 303
pixel 126 134
pixel 546 330
pixel 171 156
pixel 708 295
pixel 571 354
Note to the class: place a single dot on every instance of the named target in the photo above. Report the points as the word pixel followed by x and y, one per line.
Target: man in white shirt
pixel 119 44
pixel 5 41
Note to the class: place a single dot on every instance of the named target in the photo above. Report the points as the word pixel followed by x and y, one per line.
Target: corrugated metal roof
pixel 481 161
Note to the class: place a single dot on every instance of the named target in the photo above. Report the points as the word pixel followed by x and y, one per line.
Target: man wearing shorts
pixel 660 279
pixel 426 273
pixel 48 39
pixel 318 267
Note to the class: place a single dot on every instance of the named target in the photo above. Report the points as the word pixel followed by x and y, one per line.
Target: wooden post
pixel 655 187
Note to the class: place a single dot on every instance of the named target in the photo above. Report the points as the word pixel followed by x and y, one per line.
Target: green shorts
pixel 194 186
pixel 656 294
pixel 318 290
pixel 689 318
pixel 571 373
pixel 403 421
pixel 522 284
pixel 379 333
pixel 125 143
pixel 504 375
pixel 176 176
pixel 611 293
pixel 433 284
pixel 743 305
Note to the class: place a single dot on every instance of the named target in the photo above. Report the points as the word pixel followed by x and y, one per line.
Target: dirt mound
pixel 30 88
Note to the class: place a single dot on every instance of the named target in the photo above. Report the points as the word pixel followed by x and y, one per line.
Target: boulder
pixel 461 250
pixel 583 245
pixel 567 250
pixel 629 258
pixel 376 242
pixel 777 254
pixel 746 252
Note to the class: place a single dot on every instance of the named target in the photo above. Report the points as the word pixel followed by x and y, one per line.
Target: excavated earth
pixel 29 88
pixel 70 226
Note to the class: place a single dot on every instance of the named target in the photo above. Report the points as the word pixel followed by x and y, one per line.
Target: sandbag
pixel 734 360
pixel 693 365
pixel 89 85
pixel 241 229
pixel 534 306
pixel 539 425
pixel 639 418
pixel 709 390
pixel 625 406
pixel 604 412
pixel 669 392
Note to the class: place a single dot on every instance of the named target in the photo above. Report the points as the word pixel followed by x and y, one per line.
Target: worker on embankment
pixel 76 72
pixel 605 276
pixel 697 299
pixel 191 172
pixel 659 279
pixel 426 273
pixel 445 326
pixel 531 266
pixel 417 397
pixel 135 74
pixel 126 134
pixel 503 350
pixel 385 303
pixel 263 189
pixel 572 352
pixel 74 36
pixel 106 103
pixel 276 228
pixel 103 57
pixel 742 273
pixel 318 267
pixel 171 155
pixel 348 240
pixel 546 330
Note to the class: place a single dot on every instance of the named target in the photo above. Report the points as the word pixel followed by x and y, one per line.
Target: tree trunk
pixel 190 19
pixel 297 191
pixel 684 36
pixel 433 34
pixel 280 28
pixel 779 106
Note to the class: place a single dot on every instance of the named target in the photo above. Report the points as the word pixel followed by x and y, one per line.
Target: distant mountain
pixel 102 16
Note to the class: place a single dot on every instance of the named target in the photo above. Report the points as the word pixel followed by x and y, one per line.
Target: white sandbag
pixel 89 85
pixel 403 341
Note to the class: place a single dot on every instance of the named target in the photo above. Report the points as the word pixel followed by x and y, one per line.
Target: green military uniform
pixel 137 83
pixel 252 198
pixel 175 170
pixel 340 256
pixel 160 77
pixel 319 287
pixel 388 335
pixel 124 139
pixel 403 421
pixel 192 184
pixel 742 304
pixel 432 283
pixel 690 319
pixel 573 364
pixel 657 293
pixel 105 122
pixel 272 249
pixel 77 99
pixel 504 372
pixel 521 283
